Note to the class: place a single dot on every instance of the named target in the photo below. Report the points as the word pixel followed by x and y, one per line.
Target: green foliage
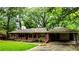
pixel 2 31
pixel 41 39
pixel 37 16
pixel 47 17
pixel 12 25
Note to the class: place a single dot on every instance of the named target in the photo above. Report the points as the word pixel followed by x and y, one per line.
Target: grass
pixel 15 46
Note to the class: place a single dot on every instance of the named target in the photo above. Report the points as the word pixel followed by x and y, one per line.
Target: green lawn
pixel 15 46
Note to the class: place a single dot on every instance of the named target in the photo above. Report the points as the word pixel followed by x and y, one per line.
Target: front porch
pixel 31 37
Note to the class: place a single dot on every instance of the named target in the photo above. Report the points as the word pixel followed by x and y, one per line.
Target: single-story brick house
pixel 29 34
pixel 55 34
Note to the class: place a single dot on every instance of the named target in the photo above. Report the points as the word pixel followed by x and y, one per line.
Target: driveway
pixel 54 47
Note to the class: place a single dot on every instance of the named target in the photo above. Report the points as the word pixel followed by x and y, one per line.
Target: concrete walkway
pixel 54 47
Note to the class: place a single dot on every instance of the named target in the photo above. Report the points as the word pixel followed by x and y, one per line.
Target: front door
pixel 56 37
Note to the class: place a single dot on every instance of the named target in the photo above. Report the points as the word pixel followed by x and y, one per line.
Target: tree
pixel 10 14
pixel 60 14
pixel 39 16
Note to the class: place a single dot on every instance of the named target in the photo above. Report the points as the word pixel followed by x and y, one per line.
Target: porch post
pixel 17 36
pixel 14 35
pixel 46 38
pixel 28 36
pixel 75 38
pixel 32 36
pixel 37 36
pixel 21 36
pixel 25 36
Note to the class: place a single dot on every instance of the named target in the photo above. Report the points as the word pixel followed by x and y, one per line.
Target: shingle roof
pixel 43 30
pixel 61 30
pixel 31 30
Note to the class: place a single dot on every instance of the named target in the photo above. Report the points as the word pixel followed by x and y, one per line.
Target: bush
pixel 41 39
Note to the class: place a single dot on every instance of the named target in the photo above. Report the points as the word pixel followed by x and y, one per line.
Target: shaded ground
pixel 54 47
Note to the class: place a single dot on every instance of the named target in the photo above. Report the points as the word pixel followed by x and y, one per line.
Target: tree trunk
pixel 8 21
pixel 44 20
pixel 20 24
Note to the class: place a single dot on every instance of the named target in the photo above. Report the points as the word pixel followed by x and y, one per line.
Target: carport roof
pixel 62 30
